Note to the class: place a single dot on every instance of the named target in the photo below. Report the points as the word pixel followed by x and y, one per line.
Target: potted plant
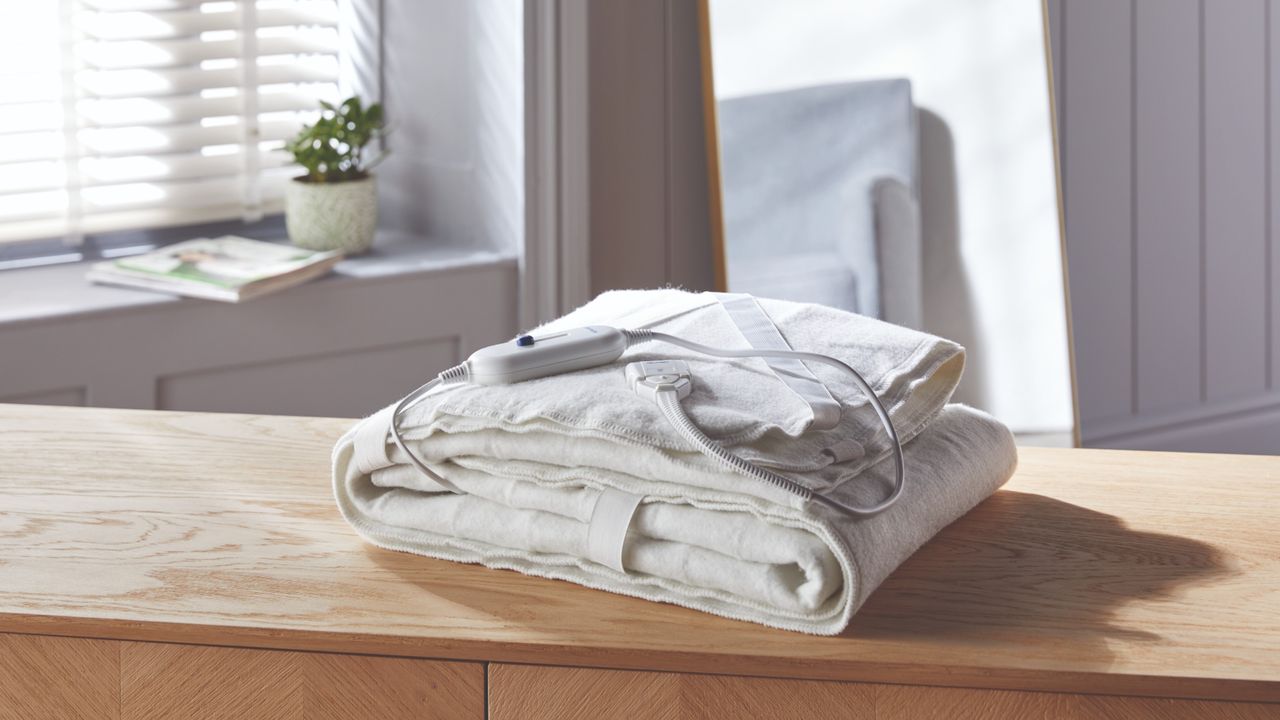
pixel 335 205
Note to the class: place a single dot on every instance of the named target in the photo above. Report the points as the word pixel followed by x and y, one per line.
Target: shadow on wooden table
pixel 1023 565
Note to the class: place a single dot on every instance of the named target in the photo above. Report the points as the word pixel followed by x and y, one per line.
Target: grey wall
pixel 1167 111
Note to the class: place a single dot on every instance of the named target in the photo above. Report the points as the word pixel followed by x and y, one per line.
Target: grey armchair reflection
pixel 820 196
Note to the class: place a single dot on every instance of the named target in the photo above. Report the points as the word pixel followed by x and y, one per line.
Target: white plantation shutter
pixel 120 114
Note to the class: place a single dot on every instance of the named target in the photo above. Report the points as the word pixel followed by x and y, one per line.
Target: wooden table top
pixel 1093 571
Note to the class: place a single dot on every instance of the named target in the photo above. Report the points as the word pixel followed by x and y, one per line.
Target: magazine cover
pixel 227 262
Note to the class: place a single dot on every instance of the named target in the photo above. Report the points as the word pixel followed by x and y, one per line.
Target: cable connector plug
pixel 650 377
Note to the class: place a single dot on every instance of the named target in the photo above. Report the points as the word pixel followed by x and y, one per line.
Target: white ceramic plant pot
pixel 332 216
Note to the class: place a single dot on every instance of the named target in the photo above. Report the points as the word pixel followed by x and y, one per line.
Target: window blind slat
pixel 108 142
pixel 149 83
pixel 142 5
pixel 32 87
pixel 119 54
pixel 23 177
pixel 29 147
pixel 134 25
pixel 33 206
pixel 30 117
pixel 167 217
pixel 99 172
pixel 170 196
pixel 143 111
pixel 137 218
pixel 122 142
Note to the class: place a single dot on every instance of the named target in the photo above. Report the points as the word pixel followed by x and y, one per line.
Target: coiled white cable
pixel 669 403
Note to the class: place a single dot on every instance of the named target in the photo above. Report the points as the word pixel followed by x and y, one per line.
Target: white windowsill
pixel 59 292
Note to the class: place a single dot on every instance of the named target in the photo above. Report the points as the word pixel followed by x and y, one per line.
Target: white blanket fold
pixel 533 459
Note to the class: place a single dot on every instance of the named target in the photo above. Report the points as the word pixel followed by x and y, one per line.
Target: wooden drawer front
pixel 524 692
pixel 192 682
pixel 894 702
pixel 58 678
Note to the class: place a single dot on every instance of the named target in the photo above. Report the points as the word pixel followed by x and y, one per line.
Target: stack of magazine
pixel 228 268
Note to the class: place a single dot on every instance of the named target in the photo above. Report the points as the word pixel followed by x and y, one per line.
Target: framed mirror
pixel 898 159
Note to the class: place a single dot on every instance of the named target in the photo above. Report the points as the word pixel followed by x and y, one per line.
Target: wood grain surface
pixel 159 681
pixel 57 678
pixel 531 692
pixel 1107 571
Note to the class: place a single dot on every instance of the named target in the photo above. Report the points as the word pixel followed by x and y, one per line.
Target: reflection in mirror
pixel 897 160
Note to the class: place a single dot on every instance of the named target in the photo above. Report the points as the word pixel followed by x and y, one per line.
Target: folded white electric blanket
pixel 576 477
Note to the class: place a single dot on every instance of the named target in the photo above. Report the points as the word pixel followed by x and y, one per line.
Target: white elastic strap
pixel 758 330
pixel 370 446
pixel 609 523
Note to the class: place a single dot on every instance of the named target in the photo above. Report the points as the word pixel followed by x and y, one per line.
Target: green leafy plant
pixel 332 149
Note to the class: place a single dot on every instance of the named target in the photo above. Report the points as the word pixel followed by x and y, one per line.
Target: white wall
pixel 453 79
pixel 979 75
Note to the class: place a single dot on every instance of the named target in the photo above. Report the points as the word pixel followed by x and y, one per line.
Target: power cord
pixel 455 374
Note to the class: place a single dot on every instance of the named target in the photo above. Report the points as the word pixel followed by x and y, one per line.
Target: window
pixel 125 114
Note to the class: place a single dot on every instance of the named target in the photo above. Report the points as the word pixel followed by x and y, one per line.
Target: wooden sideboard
pixel 188 565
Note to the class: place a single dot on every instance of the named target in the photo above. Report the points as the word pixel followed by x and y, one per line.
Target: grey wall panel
pixel 59 396
pixel 1098 186
pixel 1167 204
pixel 1235 201
pixel 1196 184
pixel 1273 188
pixel 1252 430
pixel 344 383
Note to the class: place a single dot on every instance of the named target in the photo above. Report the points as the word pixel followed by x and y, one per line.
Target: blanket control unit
pixel 529 357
